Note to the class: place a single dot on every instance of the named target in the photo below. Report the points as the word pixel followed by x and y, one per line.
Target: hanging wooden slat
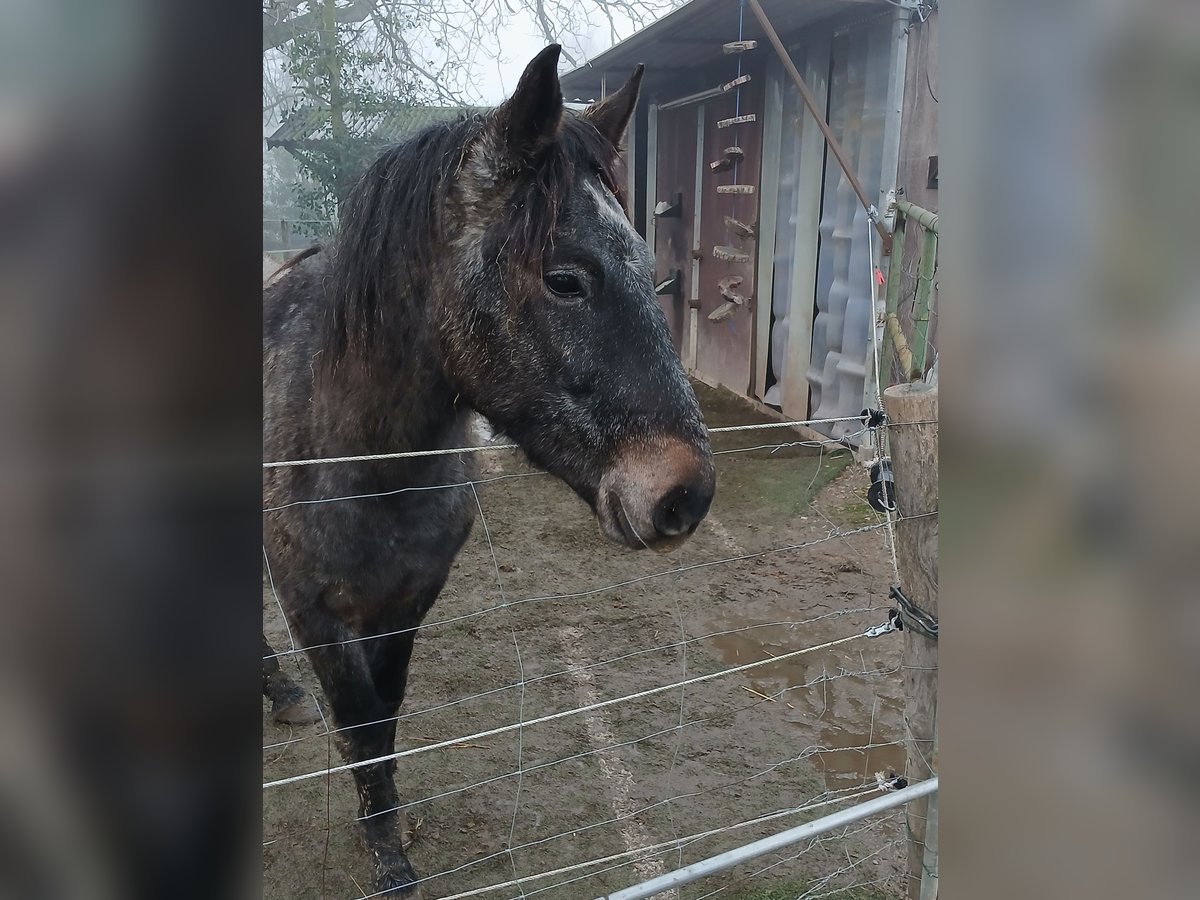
pixel 737 120
pixel 730 254
pixel 740 80
pixel 722 312
pixel 731 155
pixel 741 229
pixel 738 46
pixel 727 285
pixel 735 189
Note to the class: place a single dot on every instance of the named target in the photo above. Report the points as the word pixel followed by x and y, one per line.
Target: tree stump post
pixel 914 455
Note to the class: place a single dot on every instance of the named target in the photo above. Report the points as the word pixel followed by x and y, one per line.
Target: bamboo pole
pixel 924 291
pixel 914 453
pixel 834 146
pixel 903 353
pixel 895 278
pixel 923 217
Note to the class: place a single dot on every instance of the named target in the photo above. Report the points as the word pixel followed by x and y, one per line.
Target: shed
pixel 763 252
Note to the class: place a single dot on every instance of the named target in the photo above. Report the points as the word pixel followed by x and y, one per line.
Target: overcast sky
pixel 494 78
pixel 521 42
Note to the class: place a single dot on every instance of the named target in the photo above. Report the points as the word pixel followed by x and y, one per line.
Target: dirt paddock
pixel 650 770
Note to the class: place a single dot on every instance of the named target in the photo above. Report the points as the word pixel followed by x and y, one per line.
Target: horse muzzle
pixel 656 494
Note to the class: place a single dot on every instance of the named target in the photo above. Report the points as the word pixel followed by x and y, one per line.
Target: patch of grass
pixel 779 485
pixel 854 513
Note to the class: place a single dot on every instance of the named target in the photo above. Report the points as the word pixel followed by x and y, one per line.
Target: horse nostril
pixel 681 510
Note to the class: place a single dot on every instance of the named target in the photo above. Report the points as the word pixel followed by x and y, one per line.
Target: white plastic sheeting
pixel 841 348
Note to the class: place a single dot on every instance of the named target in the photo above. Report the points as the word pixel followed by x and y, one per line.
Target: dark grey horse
pixel 485 265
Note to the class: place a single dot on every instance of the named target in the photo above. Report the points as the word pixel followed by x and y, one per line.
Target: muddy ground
pixel 750 744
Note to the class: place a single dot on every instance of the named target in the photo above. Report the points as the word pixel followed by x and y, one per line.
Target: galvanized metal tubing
pixel 731 858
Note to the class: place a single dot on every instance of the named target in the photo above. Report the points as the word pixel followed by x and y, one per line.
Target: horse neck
pixel 393 395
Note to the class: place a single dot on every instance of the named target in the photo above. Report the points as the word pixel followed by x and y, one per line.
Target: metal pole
pixel 893 119
pixel 731 858
pixel 807 96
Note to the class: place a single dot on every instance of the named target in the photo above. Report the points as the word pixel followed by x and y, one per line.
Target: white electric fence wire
pixel 847 832
pixel 575 832
pixel 405 490
pixel 790 624
pixel 278 602
pixel 575 595
pixel 812 750
pixel 814 444
pixel 449 451
pixel 727 860
pixel 880 432
pixel 540 720
pixel 642 851
pixel 625 863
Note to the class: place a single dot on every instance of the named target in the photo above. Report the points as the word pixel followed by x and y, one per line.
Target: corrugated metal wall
pixel 841 348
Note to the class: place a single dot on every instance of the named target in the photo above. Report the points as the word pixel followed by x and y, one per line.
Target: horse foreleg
pixel 389 669
pixel 366 731
pixel 289 703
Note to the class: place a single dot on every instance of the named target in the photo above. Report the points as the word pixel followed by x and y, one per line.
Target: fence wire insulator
pixel 874 418
pixel 881 495
pixel 892 624
pixel 912 616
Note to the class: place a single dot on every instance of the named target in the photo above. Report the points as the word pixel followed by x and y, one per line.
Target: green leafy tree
pixel 334 68
pixel 342 88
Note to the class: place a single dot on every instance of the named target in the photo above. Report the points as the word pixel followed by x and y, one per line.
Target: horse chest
pixel 404 544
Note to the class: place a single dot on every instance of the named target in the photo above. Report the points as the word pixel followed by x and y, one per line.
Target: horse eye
pixel 564 284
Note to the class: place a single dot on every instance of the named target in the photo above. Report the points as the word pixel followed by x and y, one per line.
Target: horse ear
pixel 529 119
pixel 612 114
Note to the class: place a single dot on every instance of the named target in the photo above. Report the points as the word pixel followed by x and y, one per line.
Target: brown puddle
pixel 838 716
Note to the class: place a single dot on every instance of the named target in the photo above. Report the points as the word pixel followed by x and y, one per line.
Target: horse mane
pixel 391 227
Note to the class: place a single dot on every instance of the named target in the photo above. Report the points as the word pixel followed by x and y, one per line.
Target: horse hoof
pixel 397 885
pixel 298 712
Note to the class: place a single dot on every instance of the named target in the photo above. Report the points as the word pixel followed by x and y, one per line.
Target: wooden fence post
pixel 914 454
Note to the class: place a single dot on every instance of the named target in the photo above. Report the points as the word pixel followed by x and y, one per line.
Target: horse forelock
pixel 522 200
pixel 426 207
